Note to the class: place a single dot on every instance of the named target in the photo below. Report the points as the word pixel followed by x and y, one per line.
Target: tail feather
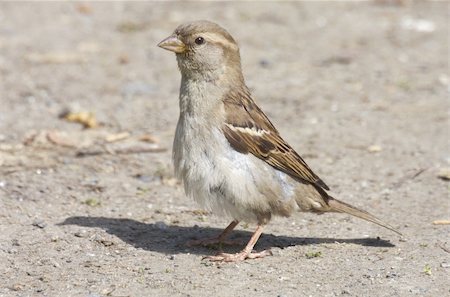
pixel 339 206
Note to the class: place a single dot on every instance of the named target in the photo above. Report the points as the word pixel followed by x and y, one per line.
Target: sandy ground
pixel 359 89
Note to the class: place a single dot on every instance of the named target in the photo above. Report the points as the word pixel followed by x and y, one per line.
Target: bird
pixel 228 154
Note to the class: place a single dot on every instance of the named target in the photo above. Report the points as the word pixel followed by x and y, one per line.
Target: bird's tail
pixel 339 206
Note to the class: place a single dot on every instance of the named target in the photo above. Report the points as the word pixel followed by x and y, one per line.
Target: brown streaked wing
pixel 248 129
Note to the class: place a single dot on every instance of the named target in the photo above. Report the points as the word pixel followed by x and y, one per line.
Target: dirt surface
pixel 359 89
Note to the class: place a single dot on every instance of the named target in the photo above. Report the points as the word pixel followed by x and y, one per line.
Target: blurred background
pixel 89 205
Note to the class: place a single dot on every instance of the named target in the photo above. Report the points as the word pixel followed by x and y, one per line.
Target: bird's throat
pixel 200 98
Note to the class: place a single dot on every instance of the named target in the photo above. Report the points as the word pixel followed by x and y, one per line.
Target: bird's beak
pixel 172 43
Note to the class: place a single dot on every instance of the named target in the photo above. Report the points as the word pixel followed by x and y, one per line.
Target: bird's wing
pixel 248 130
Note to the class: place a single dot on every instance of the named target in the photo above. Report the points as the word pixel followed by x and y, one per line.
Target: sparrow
pixel 231 158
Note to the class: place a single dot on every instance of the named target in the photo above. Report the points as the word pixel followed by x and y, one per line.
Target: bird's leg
pixel 221 239
pixel 246 253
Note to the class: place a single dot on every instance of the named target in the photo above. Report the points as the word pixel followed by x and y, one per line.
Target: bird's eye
pixel 199 40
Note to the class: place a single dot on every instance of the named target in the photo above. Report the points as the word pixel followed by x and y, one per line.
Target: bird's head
pixel 204 48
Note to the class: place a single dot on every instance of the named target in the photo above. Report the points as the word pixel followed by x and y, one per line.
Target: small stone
pixel 391 275
pixel 81 234
pixel 161 225
pixel 12 251
pixel 444 174
pixel 17 287
pixel 40 224
pixel 106 242
pixel 55 264
pixel 445 265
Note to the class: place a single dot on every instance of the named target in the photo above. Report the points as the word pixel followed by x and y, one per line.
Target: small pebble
pixel 17 287
pixel 444 174
pixel 55 264
pixel 391 275
pixel 161 225
pixel 144 178
pixel 12 251
pixel 81 233
pixel 40 224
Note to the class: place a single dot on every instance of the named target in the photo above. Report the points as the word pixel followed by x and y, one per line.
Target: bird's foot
pixel 241 256
pixel 213 242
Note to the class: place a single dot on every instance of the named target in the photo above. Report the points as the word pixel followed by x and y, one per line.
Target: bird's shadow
pixel 171 239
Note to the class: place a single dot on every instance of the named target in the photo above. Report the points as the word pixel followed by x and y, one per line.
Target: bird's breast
pixel 221 179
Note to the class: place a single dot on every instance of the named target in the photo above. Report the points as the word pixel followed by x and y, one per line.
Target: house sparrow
pixel 230 157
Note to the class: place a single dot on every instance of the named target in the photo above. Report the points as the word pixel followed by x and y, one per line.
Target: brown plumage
pixel 248 129
pixel 231 158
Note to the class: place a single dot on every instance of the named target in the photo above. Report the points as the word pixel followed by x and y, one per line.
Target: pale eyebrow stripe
pixel 218 38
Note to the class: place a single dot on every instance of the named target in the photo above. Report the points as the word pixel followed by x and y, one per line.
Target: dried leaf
pixel 310 255
pixel 171 182
pixel 441 222
pixel 84 8
pixel 148 138
pixel 427 269
pixel 92 202
pixel 117 137
pixel 87 119
pixel 374 149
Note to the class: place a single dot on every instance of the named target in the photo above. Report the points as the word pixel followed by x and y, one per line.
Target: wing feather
pixel 248 130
